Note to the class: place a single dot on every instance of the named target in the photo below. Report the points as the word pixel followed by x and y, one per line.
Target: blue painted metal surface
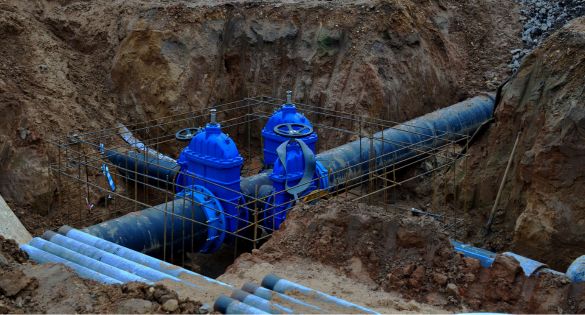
pixel 576 271
pixel 342 164
pixel 227 305
pixel 284 286
pixel 85 261
pixel 350 161
pixel 40 256
pixel 287 114
pixel 260 303
pixel 214 213
pixel 212 160
pixel 294 176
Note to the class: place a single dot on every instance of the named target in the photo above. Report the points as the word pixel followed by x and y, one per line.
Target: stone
pixel 453 289
pixel 440 278
pixel 170 305
pixel 11 283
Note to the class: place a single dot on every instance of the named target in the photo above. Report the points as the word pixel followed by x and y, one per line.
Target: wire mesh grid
pixel 87 194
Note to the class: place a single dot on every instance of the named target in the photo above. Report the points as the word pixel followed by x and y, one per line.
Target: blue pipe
pixel 350 161
pixel 576 271
pixel 42 257
pixel 226 305
pixel 260 303
pixel 486 258
pixel 296 304
pixel 284 286
pixel 144 168
pixel 144 231
pixel 108 258
pixel 137 257
pixel 86 262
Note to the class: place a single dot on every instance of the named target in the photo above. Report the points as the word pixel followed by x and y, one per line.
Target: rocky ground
pixel 26 287
pixel 384 253
pixel 541 18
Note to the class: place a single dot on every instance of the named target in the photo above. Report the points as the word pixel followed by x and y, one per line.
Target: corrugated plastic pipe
pixel 143 230
pixel 285 300
pixel 260 303
pixel 284 286
pixel 86 262
pixel 227 305
pixel 138 257
pixel 108 258
pixel 42 257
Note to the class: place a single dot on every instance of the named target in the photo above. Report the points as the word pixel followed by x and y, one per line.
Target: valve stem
pixel 289 97
pixel 213 115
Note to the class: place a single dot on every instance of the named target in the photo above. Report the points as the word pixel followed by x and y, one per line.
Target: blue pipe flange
pixel 216 224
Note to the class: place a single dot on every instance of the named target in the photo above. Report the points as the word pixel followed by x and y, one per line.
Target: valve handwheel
pixel 293 130
pixel 186 134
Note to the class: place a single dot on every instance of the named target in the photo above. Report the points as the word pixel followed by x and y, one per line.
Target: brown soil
pixel 52 288
pixel 412 256
pixel 73 66
pixel 541 214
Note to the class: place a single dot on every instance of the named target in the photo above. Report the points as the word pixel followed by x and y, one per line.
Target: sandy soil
pixel 367 253
pixel 26 287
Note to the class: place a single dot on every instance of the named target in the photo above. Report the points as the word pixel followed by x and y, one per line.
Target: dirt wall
pixel 541 213
pixel 73 66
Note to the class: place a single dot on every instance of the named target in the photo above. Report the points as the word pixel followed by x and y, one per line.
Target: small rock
pixel 440 279
pixel 171 305
pixel 13 282
pixel 453 289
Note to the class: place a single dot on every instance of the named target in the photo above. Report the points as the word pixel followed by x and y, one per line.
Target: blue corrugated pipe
pixel 143 230
pixel 296 304
pixel 284 286
pixel 227 305
pixel 108 258
pixel 86 262
pixel 260 303
pixel 42 257
pixel 137 257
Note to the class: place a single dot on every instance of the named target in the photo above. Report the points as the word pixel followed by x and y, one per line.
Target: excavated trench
pixel 76 66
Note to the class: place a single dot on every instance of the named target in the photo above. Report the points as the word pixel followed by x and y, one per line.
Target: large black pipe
pixel 144 230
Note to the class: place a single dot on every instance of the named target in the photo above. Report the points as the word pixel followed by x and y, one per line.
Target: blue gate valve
pixel 296 173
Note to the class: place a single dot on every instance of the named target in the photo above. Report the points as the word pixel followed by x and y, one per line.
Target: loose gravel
pixel 541 18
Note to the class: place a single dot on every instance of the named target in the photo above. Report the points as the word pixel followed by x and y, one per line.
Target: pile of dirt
pixel 541 214
pixel 412 255
pixel 75 66
pixel 52 288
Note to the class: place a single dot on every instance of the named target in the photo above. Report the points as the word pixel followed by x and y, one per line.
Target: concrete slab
pixel 10 225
